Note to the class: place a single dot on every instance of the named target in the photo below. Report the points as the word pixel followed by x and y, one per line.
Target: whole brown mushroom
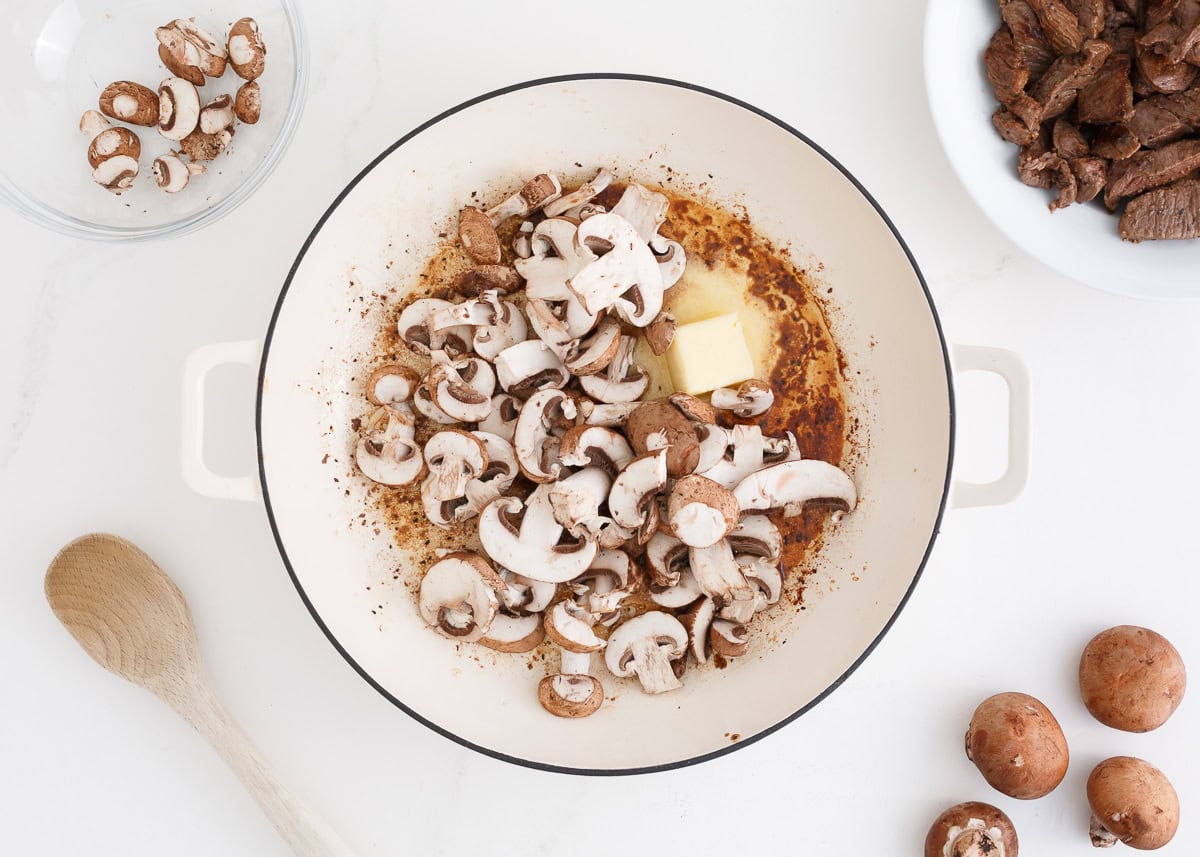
pixel 1132 802
pixel 971 829
pixel 1017 745
pixel 1131 678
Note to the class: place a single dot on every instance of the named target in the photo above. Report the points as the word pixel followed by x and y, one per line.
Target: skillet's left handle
pixel 1006 364
pixel 195 372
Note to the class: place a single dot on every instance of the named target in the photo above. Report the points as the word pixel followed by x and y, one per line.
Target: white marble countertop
pixel 92 338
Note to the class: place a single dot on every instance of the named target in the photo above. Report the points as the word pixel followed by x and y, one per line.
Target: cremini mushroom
pixel 502 420
pixel 572 692
pixel 607 414
pixel 528 367
pixel 387 452
pixel 217 115
pixel 199 146
pixel 539 190
pixel 666 561
pixel 1131 678
pixel 751 399
pixel 659 425
pixel 697 620
pixel 531 546
pixel 524 596
pixel 586 192
pixel 173 175
pixel 645 646
pixel 116 174
pixel 1017 745
pixel 535 439
pixel 478 236
pixel 608 581
pixel 593 354
pixel 247 51
pixel 415 326
pixel 454 457
pixel 178 108
pixel 579 503
pixel 720 577
pixel 588 445
pixel 570 627
pixel 743 455
pixel 971 829
pixel 474 282
pixel 626 279
pixel 631 500
pixel 113 152
pixel 496 478
pixel 672 262
pixel 646 211
pixel 1132 802
pixel 498 324
pixel 621 381
pixel 696 410
pixel 661 332
pixel 756 535
pixel 701 512
pixel 458 596
pixel 190 52
pixel 509 633
pixel 113 142
pixel 555 257
pixel 423 401
pixel 793 484
pixel 728 639
pixel 392 384
pixel 562 325
pixel 765 575
pixel 247 103
pixel 130 102
pixel 463 389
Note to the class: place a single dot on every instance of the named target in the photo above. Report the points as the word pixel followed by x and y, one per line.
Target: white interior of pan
pixel 380 234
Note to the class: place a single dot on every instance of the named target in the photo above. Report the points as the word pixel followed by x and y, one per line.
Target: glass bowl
pixel 57 55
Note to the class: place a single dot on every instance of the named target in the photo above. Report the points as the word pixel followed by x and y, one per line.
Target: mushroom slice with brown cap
pixel 422 400
pixel 502 421
pixel 522 242
pixel 752 398
pixel 756 535
pixel 743 456
pixel 621 381
pixel 585 446
pixel 534 438
pixel 777 450
pixel 578 502
pixel 765 576
pixel 463 389
pixel 713 441
pixel 794 483
pixel 539 190
pixel 458 596
pixel 696 410
pixel 671 265
pixel 660 333
pixel 498 324
pixel 210 55
pixel 573 692
pixel 531 548
pixel 178 108
pixel 645 646
pixel 454 458
pixel 607 414
pixel 514 633
pixel 171 174
pixel 570 627
pixel 523 596
pixel 666 561
pixel 560 324
pixel 601 589
pixel 728 639
pixel 701 512
pixel 474 282
pixel 625 279
pixel 415 326
pixel 658 425
pixel 527 367
pixel 478 236
pixel 631 500
pixel 392 385
pixel 387 452
pixel 586 192
pixel 719 576
pixel 697 621
pixel 555 258
pixel 1132 802
pixel 646 211
pixel 594 353
pixel 495 479
pixel 442 513
pixel 681 594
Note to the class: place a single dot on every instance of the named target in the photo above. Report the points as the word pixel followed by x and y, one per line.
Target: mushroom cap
pixel 532 548
pixel 792 484
pixel 535 445
pixel 971 829
pixel 463 389
pixel 387 452
pixel 1134 801
pixel 696 410
pixel 644 646
pixel 502 421
pixel 609 580
pixel 514 633
pixel 697 621
pixel 728 639
pixel 415 326
pixel 530 367
pixel 556 258
pixel 666 559
pixel 594 353
pixel 570 695
pixel 247 53
pixel 660 333
pixel 478 236
pixel 507 328
pixel 628 264
pixel 1017 745
pixel 595 446
pixel 570 627
pixel 458 596
pixel 756 535
pixel 178 108
pixel 116 140
pixel 752 398
pixel 523 596
pixel 454 457
pixel 247 103
pixel 501 470
pixel 392 384
pixel 1131 678
pixel 700 511
pixel 481 278
pixel 683 445
pixel 630 502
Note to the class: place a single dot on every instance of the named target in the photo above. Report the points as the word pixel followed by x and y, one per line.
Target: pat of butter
pixel 709 354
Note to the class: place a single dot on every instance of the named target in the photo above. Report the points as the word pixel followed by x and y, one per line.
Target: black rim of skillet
pixel 529 763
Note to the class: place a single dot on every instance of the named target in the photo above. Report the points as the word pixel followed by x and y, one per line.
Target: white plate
pixel 1081 241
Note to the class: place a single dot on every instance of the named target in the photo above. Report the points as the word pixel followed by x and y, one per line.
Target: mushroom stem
pixel 1102 837
pixel 653 666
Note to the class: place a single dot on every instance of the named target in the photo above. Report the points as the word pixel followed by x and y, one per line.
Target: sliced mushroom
pixel 116 174
pixel 454 457
pixel 392 385
pixel 463 389
pixel 523 596
pixel 594 353
pixel 555 258
pixel 621 381
pixel 458 596
pixel 172 174
pixel 586 192
pixel 528 367
pixel 661 425
pixel 765 576
pixel 752 398
pixel 423 401
pixel 496 478
pixel 573 692
pixel 178 108
pixel 660 333
pixel 502 420
pixel 729 639
pixel 743 456
pixel 505 328
pixel 595 446
pixel 531 548
pixel 713 441
pixel 645 646
pixel 534 440
pixel 757 536
pixel 522 242
pixel 560 324
pixel 777 450
pixel 415 326
pixel 720 577
pixel 247 52
pixel 539 190
pixel 514 633
pixel 442 513
pixel 795 483
pixel 681 594
pixel 128 102
pixel 671 264
pixel 478 236
pixel 625 279
pixel 387 452
pixel 113 142
pixel 217 115
pixel 700 511
pixel 607 414
pixel 601 589
pixel 570 627
pixel 696 410
pixel 631 500
pixel 697 621
pixel 646 211
pixel 580 506
pixel 666 560
pixel 476 281
pixel 190 47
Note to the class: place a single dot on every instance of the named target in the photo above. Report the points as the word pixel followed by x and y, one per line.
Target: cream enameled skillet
pixel 884 322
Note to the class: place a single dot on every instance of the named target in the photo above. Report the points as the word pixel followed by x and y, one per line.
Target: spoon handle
pixel 306 832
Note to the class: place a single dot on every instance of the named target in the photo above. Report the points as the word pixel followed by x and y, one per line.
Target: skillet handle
pixel 1006 364
pixel 195 372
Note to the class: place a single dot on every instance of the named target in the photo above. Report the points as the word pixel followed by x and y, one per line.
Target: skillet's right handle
pixel 1006 364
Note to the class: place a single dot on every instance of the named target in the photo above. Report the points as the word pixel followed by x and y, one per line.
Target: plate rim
pixel 258 426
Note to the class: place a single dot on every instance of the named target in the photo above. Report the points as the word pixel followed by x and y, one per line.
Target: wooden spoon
pixel 133 620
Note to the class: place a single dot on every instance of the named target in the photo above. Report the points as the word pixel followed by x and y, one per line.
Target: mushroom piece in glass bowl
pixel 59 56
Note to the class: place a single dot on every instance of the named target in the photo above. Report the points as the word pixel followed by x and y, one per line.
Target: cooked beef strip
pixel 1115 141
pixel 1169 212
pixel 1092 174
pixel 1057 88
pixel 1123 40
pixel 1068 142
pixel 1162 74
pixel 1162 119
pixel 1011 128
pixel 1150 169
pixel 1136 9
pixel 1114 18
pixel 1108 98
pixel 1028 36
pixel 1059 24
pixel 1006 70
pixel 1186 47
pixel 1090 15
